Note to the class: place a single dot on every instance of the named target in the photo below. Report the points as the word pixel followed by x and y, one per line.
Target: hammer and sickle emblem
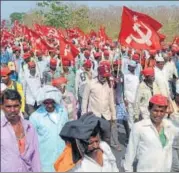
pixel 145 39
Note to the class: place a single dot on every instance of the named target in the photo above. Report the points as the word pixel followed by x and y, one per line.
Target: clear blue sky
pixel 8 7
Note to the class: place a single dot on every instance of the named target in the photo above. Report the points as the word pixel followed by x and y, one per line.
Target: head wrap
pixel 159 99
pixel 148 72
pixel 5 71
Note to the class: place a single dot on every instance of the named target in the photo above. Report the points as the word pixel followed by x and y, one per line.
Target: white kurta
pixel 89 165
pixel 144 144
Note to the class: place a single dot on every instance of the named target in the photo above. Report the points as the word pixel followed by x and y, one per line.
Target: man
pixel 68 99
pixel 98 98
pixel 19 143
pixel 160 76
pixel 136 57
pixel 122 113
pixel 69 74
pixel 51 72
pixel 41 63
pixel 86 149
pixel 5 78
pixel 31 86
pixel 151 140
pixel 150 62
pixel 48 120
pixel 96 61
pixel 83 75
pixel 131 82
pixel 146 89
pixel 175 119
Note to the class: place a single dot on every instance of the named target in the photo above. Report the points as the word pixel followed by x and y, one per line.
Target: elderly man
pixel 51 72
pixel 5 78
pixel 146 89
pixel 151 140
pixel 86 149
pixel 98 98
pixel 19 142
pixel 48 120
pixel 68 99
pixel 31 85
pixel 131 82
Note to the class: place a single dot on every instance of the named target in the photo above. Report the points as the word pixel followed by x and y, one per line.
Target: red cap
pixel 59 81
pixel 104 71
pixel 5 71
pixel 25 48
pixel 15 48
pixel 87 63
pixel 38 53
pixel 105 63
pixel 106 53
pixel 118 61
pixel 152 52
pixel 135 56
pixel 169 54
pixel 31 64
pixel 97 55
pixel 159 100
pixel 87 53
pixel 66 62
pixel 148 72
pixel 26 55
pixel 130 51
pixel 53 62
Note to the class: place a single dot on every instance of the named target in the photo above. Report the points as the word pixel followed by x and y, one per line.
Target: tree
pixel 16 16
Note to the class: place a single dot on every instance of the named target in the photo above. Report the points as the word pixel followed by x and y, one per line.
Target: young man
pixel 48 120
pixel 19 143
pixel 151 140
pixel 86 149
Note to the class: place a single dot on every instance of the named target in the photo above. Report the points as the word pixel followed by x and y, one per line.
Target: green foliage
pixel 16 16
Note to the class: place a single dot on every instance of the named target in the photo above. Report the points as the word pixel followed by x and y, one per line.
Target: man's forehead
pixel 11 102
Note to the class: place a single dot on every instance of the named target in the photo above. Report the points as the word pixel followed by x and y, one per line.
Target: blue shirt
pixel 50 143
pixel 5 57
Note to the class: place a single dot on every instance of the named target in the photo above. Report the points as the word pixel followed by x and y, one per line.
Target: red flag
pixel 139 30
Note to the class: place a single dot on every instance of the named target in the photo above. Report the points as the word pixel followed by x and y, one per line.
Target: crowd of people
pixel 61 115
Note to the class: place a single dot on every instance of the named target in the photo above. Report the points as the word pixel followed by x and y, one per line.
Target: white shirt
pixel 80 81
pixel 31 86
pixel 89 165
pixel 161 81
pixel 170 70
pixel 144 144
pixel 131 83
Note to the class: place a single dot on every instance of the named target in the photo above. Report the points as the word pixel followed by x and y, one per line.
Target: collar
pixel 5 122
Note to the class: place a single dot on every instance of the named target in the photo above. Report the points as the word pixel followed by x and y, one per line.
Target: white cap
pixel 159 58
pixel 177 86
pixel 3 87
pixel 132 63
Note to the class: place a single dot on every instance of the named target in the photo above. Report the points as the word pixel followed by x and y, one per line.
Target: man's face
pixel 160 65
pixel 5 79
pixel 93 145
pixel 32 70
pixel 131 69
pixel 157 113
pixel 49 105
pixel 17 53
pixel 102 79
pixel 53 67
pixel 27 60
pixel 116 67
pixel 65 69
pixel 11 109
pixel 150 79
pixel 40 58
pixel 87 69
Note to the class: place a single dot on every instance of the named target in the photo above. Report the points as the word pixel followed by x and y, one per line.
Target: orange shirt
pixel 150 63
